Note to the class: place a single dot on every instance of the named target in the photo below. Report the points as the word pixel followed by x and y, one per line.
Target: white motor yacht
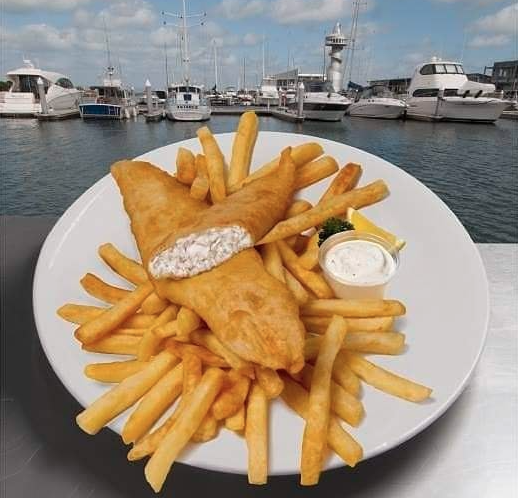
pixel 268 93
pixel 22 99
pixel 440 91
pixel 322 103
pixel 187 103
pixel 377 102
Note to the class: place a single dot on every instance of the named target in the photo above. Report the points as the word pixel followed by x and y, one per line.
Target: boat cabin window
pixel 64 83
pixel 441 69
pixel 428 69
pixel 426 92
pixel 190 89
pixel 450 92
pixel 450 68
pixel 29 84
pixel 319 86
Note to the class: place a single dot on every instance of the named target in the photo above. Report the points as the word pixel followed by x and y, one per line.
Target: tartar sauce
pixel 360 262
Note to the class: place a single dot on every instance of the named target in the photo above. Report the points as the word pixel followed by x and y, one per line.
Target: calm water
pixel 473 168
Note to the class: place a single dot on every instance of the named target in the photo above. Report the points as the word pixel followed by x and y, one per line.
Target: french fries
pixel 180 349
pixel 318 324
pixel 124 395
pixel 79 313
pixel 150 340
pixel 386 381
pixel 309 258
pixel 185 166
pixel 186 321
pixel 344 376
pixel 192 372
pixel 153 405
pixel 122 265
pixel 354 308
pixel 272 261
pixel 114 344
pixel 179 435
pixel 236 422
pixel 101 290
pixel 346 179
pixel 343 403
pixel 215 164
pixel 335 206
pixel 256 435
pixel 200 185
pixel 319 404
pixel 113 317
pixel 113 372
pixel 297 289
pixel 269 381
pixel 232 397
pixel 300 154
pixel 314 171
pixel 154 304
pixel 243 148
pixel 361 342
pixel 298 206
pixel 296 397
pixel 310 279
pixel 139 321
pixel 203 337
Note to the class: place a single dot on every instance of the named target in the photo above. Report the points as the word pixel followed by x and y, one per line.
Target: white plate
pixel 441 280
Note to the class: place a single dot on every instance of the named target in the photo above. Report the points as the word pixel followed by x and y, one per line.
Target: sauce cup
pixel 353 290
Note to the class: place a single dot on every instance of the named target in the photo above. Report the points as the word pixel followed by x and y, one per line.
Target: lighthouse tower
pixel 337 41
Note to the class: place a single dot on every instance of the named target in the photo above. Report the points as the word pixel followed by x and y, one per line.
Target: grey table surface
pixel 471 451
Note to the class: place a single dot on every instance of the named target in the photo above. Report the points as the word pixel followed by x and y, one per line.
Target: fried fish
pixel 230 226
pixel 251 312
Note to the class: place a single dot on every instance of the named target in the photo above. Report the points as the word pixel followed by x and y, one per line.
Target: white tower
pixel 337 41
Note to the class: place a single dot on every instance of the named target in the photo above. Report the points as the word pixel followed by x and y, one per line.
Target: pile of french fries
pixel 183 384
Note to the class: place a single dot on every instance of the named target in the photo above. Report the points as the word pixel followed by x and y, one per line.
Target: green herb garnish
pixel 332 226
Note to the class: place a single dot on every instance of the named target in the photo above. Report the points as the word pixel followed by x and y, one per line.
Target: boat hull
pixel 322 111
pixel 376 110
pixel 24 104
pixel 105 111
pixel 469 109
pixel 201 113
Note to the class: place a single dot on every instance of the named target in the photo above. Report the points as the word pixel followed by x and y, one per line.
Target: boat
pixel 23 100
pixel 322 103
pixel 440 91
pixel 111 101
pixel 377 102
pixel 268 93
pixel 187 103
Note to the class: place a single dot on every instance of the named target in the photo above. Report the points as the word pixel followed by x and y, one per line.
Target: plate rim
pixel 101 184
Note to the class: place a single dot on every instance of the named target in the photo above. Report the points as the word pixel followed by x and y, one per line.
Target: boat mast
pixel 352 39
pixel 108 53
pixel 215 64
pixel 184 45
pixel 244 74
pixel 263 59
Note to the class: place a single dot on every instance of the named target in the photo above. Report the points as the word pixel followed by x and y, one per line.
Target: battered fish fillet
pixel 228 227
pixel 251 312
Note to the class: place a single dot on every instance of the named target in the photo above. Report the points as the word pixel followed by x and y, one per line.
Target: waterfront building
pixel 397 86
pixel 504 75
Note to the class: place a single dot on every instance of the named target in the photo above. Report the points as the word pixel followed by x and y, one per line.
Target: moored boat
pixel 23 100
pixel 377 102
pixel 440 91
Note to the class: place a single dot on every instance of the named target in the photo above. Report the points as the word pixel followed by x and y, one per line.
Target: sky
pixel 393 37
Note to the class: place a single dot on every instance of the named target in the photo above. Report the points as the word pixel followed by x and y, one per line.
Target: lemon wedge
pixel 363 224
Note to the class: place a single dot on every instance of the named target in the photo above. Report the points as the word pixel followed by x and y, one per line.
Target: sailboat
pixel 186 101
pixel 111 99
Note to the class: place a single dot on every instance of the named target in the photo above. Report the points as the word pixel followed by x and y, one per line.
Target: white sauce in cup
pixel 358 265
pixel 360 262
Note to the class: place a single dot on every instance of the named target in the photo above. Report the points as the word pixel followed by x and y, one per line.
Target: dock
pixel 58 115
pixel 276 112
pixel 509 115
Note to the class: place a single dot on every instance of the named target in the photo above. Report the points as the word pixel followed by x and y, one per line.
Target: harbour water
pixel 45 166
